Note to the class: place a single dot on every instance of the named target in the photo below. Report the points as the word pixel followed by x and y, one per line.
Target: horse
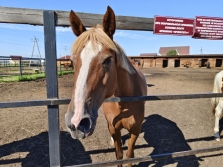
pixel 102 70
pixel 135 63
pixel 69 64
pixel 207 64
pixel 217 103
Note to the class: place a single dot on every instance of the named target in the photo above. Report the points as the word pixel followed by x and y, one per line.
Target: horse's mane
pixel 96 35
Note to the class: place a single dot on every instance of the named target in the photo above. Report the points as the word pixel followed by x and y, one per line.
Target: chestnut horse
pixel 217 102
pixel 102 70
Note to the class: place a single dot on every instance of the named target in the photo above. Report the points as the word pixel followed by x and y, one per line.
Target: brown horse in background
pixel 102 70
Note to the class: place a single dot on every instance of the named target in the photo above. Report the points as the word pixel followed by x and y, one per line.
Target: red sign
pixel 173 25
pixel 208 28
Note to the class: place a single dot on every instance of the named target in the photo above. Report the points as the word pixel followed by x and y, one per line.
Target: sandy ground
pixel 169 126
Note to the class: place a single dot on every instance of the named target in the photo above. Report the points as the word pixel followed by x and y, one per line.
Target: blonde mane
pixel 97 36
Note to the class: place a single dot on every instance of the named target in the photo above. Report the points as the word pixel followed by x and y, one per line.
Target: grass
pixel 30 77
pixel 60 73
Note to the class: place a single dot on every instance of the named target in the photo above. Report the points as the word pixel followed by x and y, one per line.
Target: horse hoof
pixel 217 139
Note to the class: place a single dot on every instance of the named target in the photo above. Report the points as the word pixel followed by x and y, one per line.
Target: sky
pixel 18 39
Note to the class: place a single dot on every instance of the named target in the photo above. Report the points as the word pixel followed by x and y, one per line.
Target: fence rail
pixel 49 102
pixel 35 17
pixel 152 157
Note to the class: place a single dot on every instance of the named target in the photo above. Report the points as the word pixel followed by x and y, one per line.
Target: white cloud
pixel 63 29
pixel 9 26
pixel 21 27
pixel 31 28
pixel 133 35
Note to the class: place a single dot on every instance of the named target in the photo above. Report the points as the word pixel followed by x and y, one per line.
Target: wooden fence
pixel 50 19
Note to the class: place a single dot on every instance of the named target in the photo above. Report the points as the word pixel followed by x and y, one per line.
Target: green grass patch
pixel 60 73
pixel 30 77
pixel 8 78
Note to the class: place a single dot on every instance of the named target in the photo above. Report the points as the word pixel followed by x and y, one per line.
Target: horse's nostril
pixel 85 125
pixel 72 127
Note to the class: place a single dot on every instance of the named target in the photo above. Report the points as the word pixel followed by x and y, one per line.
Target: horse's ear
pixel 109 23
pixel 76 24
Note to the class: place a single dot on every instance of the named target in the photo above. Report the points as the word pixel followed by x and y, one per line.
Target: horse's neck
pixel 125 83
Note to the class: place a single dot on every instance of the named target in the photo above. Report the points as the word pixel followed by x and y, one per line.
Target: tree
pixel 172 53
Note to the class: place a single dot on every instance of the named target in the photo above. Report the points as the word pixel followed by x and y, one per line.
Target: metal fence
pixel 25 66
pixel 50 19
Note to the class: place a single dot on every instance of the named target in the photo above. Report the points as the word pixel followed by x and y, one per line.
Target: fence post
pixel 60 66
pixel 20 66
pixel 49 18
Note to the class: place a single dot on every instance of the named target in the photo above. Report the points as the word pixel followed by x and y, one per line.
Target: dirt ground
pixel 169 126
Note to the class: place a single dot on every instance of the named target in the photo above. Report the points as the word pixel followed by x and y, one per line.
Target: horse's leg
pixel 112 141
pixel 116 136
pixel 131 142
pixel 218 113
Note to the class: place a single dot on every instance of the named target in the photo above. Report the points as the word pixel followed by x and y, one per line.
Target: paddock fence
pixel 51 19
pixel 18 65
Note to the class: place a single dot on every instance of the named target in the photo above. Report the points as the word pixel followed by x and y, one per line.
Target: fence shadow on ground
pixel 160 133
pixel 165 137
pixel 72 151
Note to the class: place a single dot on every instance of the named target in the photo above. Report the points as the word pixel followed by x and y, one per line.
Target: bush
pixel 172 53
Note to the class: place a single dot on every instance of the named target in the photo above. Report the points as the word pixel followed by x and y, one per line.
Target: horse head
pixel 95 61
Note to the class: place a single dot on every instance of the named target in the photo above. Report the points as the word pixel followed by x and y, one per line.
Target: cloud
pixel 21 27
pixel 31 28
pixel 9 26
pixel 63 29
pixel 133 36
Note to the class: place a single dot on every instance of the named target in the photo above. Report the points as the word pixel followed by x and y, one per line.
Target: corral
pixel 23 65
pixel 169 126
pixel 49 21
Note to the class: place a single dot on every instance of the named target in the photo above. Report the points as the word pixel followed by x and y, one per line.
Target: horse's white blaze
pixel 79 97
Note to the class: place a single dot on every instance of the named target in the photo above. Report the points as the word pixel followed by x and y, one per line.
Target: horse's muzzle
pixel 84 129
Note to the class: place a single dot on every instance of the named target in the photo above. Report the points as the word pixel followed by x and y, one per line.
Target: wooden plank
pixel 35 17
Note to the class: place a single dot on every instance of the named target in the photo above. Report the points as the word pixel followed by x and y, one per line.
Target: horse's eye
pixel 107 61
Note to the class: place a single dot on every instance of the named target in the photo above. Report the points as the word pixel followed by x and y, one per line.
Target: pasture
pixel 169 126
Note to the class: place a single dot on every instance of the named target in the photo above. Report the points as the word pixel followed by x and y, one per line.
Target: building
pixel 147 63
pixel 14 59
pixel 182 61
pixel 64 60
pixel 181 50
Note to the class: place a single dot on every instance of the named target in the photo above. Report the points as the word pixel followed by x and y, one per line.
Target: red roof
pixel 13 57
pixel 182 50
pixel 148 54
pixel 65 57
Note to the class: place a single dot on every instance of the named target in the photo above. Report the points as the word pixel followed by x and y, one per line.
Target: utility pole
pixel 65 52
pixel 35 41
